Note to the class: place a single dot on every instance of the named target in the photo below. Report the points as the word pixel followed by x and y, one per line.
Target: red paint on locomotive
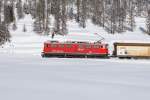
pixel 55 48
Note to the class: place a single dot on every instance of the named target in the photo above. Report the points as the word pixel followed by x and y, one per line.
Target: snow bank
pixel 28 77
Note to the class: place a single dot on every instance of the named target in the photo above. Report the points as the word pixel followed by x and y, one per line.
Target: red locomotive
pixel 74 49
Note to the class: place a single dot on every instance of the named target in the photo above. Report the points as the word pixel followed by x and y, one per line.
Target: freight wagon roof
pixel 131 44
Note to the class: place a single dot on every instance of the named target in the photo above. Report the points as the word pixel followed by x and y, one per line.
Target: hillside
pixel 31 43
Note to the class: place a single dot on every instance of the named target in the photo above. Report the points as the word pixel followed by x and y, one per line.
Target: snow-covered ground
pixel 25 75
pixel 29 77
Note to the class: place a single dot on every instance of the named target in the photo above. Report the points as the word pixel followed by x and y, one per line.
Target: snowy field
pixel 25 75
pixel 34 78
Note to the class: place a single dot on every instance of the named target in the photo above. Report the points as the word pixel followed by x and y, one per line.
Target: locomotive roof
pixel 76 42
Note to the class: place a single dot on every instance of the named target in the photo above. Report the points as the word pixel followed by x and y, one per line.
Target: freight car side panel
pixel 137 51
pixel 149 51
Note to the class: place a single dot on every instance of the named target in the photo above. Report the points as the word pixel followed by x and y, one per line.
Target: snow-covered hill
pixel 31 43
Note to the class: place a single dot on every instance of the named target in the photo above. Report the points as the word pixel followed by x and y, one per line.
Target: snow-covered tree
pixel 8 13
pixel 0 10
pixel 131 19
pixel 4 34
pixel 148 22
pixel 19 9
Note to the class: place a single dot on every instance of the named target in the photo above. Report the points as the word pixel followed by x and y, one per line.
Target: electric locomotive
pixel 75 49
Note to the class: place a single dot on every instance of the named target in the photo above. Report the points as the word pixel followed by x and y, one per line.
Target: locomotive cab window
pixel 46 45
pixel 101 46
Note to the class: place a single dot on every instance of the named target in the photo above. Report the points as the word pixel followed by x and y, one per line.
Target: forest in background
pixel 115 16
